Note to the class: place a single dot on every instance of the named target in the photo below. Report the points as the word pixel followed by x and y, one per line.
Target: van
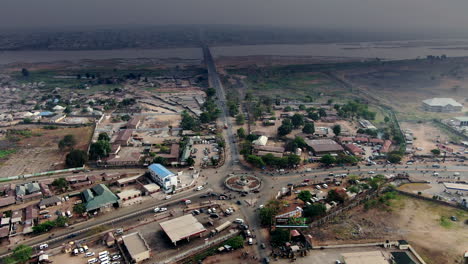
pixel 43 246
pixel 92 260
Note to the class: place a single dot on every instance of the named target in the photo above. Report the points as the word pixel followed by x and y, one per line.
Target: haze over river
pixel 390 50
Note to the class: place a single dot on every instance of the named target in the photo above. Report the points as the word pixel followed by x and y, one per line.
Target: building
pixel 182 227
pixel 366 124
pixel 6 201
pixel 443 105
pixel 371 257
pixel 461 121
pixel 99 197
pixel 355 150
pixel 51 201
pixel 136 246
pixel 162 176
pixel 173 156
pixel 457 187
pixel 260 141
pixel 123 137
pixel 129 194
pixel 133 123
pixel 324 146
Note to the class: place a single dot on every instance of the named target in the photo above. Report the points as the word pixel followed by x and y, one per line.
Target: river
pixel 390 50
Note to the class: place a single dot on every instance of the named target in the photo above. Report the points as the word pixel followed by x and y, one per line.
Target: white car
pixel 168 197
pixel 318 187
pixel 43 246
pixel 93 260
pixel 239 221
pixel 199 188
pixel 163 209
pixel 325 186
pixel 89 254
pixel 456 174
pixel 157 209
pixel 371 172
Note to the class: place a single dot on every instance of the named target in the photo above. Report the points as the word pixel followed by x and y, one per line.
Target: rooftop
pixel 368 257
pixel 324 145
pixel 441 102
pixel 135 244
pixel 98 196
pixel 160 170
pixel 182 227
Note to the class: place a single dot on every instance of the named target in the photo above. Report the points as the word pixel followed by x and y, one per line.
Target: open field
pixel 425 225
pixel 37 150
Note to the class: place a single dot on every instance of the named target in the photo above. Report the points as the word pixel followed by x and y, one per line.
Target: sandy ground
pixel 40 152
pixel 234 257
pixel 417 221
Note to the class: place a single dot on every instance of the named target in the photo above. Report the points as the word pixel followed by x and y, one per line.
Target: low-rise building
pixel 136 246
pixel 99 197
pixel 162 176
pixel 324 146
pixel 51 201
pixel 443 105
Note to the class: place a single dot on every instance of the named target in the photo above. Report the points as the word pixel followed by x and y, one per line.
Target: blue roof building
pixel 46 113
pixel 162 176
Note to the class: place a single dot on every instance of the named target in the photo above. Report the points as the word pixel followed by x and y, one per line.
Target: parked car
pixel 43 246
pixel 238 221
pixel 163 209
pixel 157 209
pixel 89 254
pixel 199 188
pixel 116 257
pixel 168 197
pixel 250 241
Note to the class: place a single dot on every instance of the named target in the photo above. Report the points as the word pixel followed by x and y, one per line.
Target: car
pixel 262 245
pixel 453 218
pixel 163 209
pixel 204 196
pixel 456 174
pixel 119 231
pixel 325 186
pixel 168 197
pixel 239 202
pixel 89 254
pixel 157 209
pixel 290 184
pixel 244 227
pixel 371 172
pixel 103 253
pixel 214 215
pixel 81 250
pixel 71 235
pixel 115 262
pixel 196 212
pixel 261 206
pixel 104 258
pixel 43 246
pixel 266 260
pixel 93 260
pixel 338 262
pixel 116 257
pixel 105 262
pixel 239 221
pixel 306 180
pixel 248 233
pixel 318 187
pixel 187 201
pixel 199 188
pixel 250 241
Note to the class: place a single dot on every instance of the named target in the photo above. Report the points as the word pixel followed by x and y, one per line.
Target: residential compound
pixel 442 105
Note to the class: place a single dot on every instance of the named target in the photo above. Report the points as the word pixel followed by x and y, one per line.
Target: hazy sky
pixel 357 14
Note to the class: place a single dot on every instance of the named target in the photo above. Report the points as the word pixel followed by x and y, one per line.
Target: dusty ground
pixel 40 152
pixel 426 225
pixel 233 257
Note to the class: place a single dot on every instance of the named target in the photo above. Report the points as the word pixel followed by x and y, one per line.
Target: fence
pixel 40 174
pixel 432 200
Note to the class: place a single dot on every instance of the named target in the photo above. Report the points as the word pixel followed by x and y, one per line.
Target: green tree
pixel 68 141
pixel 25 72
pixel 240 119
pixel 305 196
pixel 436 152
pixel 336 130
pixel 334 195
pixel 241 132
pixel 279 236
pixel 315 210
pixel 302 107
pixel 160 160
pixel 267 215
pixel 76 158
pixel 309 128
pixel 79 209
pixel 285 128
pixel 394 157
pixel 60 183
pixel 256 161
pixel 235 242
pixel 210 92
pixel 293 160
pixel 314 116
pixel 287 109
pixel 188 122
pixel 99 149
pixel 61 221
pixel 27 120
pixel 386 119
pixel 327 159
pixel 190 161
pixel 103 136
pixel 22 253
pixel 297 120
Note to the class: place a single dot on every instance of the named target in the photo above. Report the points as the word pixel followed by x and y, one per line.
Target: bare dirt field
pixel 426 225
pixel 39 151
pixel 427 134
pixel 234 257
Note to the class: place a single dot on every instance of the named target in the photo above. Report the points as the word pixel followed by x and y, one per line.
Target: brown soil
pixel 417 221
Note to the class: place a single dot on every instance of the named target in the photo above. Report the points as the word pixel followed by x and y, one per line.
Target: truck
pixel 223 226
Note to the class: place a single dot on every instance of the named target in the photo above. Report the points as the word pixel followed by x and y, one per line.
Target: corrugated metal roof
pixel 160 170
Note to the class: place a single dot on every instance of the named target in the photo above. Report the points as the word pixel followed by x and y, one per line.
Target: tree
pixel 76 158
pixel 205 117
pixel 235 242
pixel 68 141
pixel 99 149
pixel 256 161
pixel 210 92
pixel 61 221
pixel 336 130
pixel 315 210
pixel 241 132
pixel 60 183
pixel 25 72
pixel 297 120
pixel 267 215
pixel 240 119
pixel 386 119
pixel 334 195
pixel 436 152
pixel 346 159
pixel 309 128
pixel 287 109
pixel 279 236
pixel 322 112
pixel 302 107
pixel 22 253
pixel 79 209
pixel 327 159
pixel 160 160
pixel 285 128
pixel 394 157
pixel 103 136
pixel 27 120
pixel 293 160
pixel 305 196
pixel 190 161
pixel 314 116
pixel 188 122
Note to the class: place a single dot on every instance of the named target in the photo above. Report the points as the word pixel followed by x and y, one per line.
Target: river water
pixel 391 50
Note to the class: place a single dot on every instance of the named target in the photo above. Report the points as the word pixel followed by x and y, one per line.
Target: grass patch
pixel 5 153
pixel 446 222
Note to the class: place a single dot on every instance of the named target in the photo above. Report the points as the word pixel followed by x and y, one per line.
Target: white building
pixel 261 141
pixel 162 176
pixel 444 105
